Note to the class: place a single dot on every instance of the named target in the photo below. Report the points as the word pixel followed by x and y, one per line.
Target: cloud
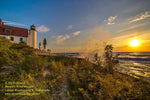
pixel 126 36
pixel 110 20
pixel 13 23
pixel 61 38
pixel 131 27
pixel 140 17
pixel 76 33
pixel 43 28
pixel 69 27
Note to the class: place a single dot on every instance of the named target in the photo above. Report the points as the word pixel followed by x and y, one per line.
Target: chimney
pixel 0 22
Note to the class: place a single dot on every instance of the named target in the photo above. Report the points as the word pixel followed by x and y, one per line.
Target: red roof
pixel 16 31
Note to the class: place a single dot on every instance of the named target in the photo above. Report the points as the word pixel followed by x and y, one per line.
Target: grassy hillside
pixel 65 78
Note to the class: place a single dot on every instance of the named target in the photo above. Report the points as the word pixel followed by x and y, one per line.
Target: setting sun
pixel 134 43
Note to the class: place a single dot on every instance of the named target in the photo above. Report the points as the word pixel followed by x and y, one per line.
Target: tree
pixel 109 58
pixel 44 43
pixel 96 57
pixel 39 45
pixel 97 60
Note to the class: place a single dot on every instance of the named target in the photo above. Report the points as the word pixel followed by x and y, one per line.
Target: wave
pixel 141 55
pixel 134 59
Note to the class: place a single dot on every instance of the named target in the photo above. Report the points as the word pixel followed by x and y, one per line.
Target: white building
pixel 17 34
pixel 32 37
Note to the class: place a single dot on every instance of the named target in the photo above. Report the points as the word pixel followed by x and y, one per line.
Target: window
pixel 21 39
pixel 12 38
pixel 7 31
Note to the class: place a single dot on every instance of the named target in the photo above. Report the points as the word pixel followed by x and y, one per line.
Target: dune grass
pixel 84 80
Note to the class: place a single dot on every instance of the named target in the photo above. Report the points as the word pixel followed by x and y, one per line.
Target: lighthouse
pixel 32 36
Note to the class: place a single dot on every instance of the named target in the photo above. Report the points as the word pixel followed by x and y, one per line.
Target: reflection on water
pixel 135 68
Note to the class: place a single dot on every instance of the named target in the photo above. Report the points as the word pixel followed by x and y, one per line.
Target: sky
pixel 83 25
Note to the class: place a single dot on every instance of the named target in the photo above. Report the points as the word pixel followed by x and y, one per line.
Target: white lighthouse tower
pixel 32 36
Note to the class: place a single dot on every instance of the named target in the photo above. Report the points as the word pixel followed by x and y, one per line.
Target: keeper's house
pixel 16 34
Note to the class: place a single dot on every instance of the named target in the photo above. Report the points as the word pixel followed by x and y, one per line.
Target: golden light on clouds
pixel 134 43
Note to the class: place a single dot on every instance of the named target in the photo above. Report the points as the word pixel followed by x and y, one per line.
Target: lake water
pixel 136 64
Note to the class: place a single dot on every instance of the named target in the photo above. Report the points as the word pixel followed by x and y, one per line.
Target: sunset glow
pixel 134 43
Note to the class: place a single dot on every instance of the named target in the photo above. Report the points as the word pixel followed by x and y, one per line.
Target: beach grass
pixel 63 77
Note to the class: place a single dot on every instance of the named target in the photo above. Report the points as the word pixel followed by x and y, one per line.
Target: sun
pixel 134 43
